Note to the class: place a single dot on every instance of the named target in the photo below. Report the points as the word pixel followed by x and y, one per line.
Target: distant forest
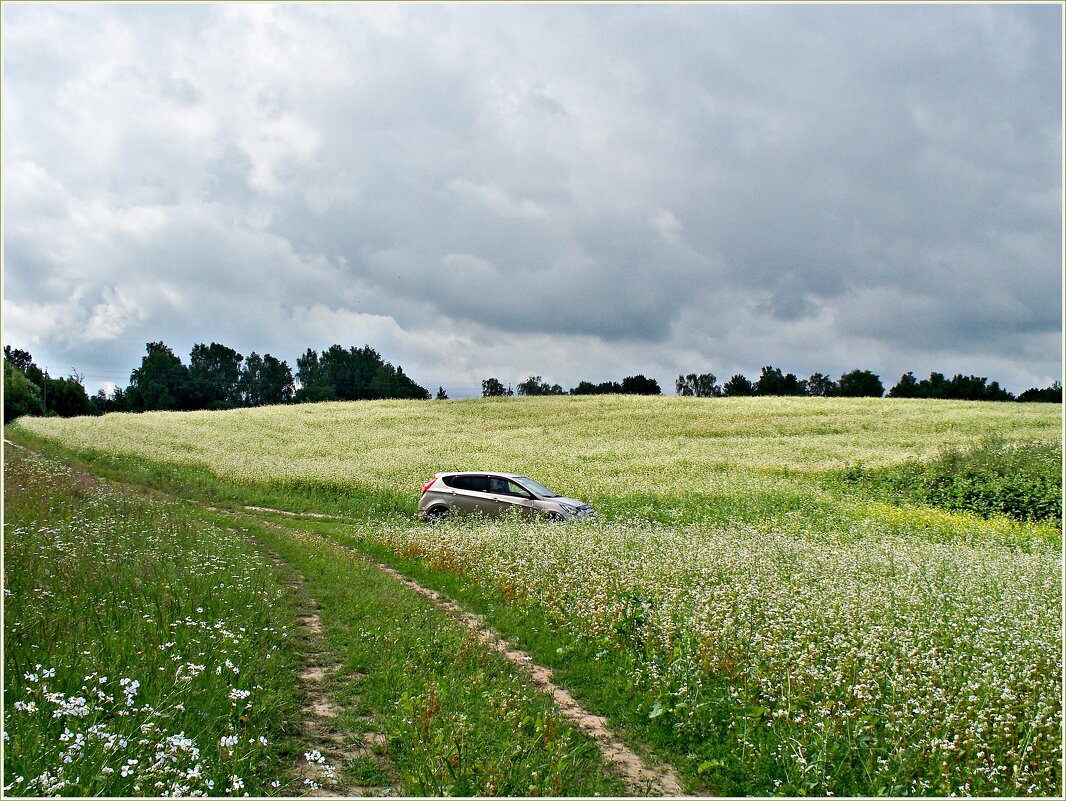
pixel 218 377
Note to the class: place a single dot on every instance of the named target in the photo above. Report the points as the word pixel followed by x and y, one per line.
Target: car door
pixel 469 494
pixel 509 497
pixel 482 499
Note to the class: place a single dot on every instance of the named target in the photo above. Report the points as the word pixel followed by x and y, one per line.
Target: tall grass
pixel 146 653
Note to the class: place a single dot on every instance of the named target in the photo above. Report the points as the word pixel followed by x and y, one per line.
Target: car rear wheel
pixel 437 514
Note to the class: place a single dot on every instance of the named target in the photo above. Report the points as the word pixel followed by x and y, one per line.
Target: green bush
pixel 1020 480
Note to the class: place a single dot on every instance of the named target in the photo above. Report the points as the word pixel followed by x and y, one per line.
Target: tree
pixel 959 387
pixel 1052 394
pixel 265 380
pixel 604 388
pixel 22 361
pixel 704 385
pixel 215 376
pixel 161 382
pixel 535 385
pixel 971 387
pixel 307 372
pixel 492 388
pixel 860 384
pixel 353 374
pixel 738 386
pixel 115 402
pixel 21 396
pixel 67 397
pixel 821 386
pixel 640 385
pixel 906 387
pixel 441 394
pixel 772 382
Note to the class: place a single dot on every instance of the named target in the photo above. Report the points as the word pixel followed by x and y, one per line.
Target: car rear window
pixel 474 483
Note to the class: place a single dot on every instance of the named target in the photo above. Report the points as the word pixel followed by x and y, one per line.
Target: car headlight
pixel 572 510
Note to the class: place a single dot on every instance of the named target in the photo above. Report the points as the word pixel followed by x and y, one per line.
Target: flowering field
pixel 144 654
pixel 594 447
pixel 853 662
pixel 776 630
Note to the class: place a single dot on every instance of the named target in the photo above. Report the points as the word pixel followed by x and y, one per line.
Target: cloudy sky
pixel 572 191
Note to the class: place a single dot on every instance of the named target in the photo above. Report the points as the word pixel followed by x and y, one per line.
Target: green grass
pixel 144 651
pixel 459 720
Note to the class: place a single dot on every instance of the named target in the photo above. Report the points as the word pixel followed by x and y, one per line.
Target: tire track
pixel 642 777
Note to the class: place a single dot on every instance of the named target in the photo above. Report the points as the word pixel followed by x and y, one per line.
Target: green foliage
pixel 21 396
pixel 603 388
pixel 860 384
pixel 265 380
pixel 738 386
pixel 1022 481
pixel 62 397
pixel 704 385
pixel 772 382
pixel 494 388
pixel 161 382
pixel 821 386
pixel 959 387
pixel 1052 394
pixel 640 385
pixel 66 397
pixel 535 385
pixel 215 373
pixel 356 374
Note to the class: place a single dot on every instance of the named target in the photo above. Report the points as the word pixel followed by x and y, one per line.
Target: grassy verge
pixel 145 652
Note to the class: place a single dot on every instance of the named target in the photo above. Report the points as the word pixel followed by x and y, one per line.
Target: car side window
pixel 498 486
pixel 516 489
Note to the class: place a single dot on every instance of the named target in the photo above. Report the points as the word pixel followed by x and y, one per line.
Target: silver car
pixel 493 495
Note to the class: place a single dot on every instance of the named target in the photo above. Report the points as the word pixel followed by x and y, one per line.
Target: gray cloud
pixel 575 191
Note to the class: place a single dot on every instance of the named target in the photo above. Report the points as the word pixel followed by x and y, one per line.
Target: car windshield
pixel 535 488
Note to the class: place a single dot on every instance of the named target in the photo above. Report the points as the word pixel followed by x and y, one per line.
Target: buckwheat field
pixel 767 599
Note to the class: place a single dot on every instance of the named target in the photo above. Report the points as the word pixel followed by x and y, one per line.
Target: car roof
pixel 481 473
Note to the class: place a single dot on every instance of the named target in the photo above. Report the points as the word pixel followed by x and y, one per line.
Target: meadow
pixel 767 600
pixel 145 652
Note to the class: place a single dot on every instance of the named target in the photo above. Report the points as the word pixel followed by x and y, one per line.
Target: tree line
pixel 216 377
pixel 535 386
pixel 773 381
pixel 859 384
